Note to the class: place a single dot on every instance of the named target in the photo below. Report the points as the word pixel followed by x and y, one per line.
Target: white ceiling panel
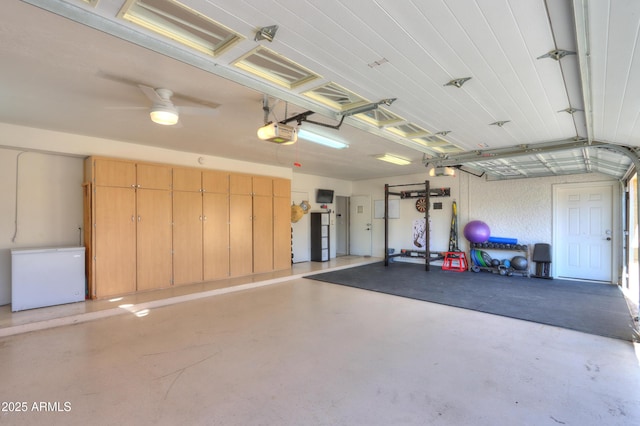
pixel 88 59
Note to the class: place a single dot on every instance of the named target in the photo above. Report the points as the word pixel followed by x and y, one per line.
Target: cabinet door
pixel 186 179
pixel 215 235
pixel 153 176
pixel 281 233
pixel 154 239
pixel 115 241
pixel 215 181
pixel 281 188
pixel 187 237
pixel 262 185
pixel 240 184
pixel 262 233
pixel 114 173
pixel 240 235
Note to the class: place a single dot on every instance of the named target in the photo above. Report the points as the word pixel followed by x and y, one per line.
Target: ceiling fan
pixel 164 112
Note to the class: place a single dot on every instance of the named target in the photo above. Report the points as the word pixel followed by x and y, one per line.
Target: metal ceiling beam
pixel 515 151
pixel 581 19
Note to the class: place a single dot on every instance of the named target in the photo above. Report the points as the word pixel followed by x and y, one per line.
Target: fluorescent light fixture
pixel 321 140
pixel 442 171
pixel 165 115
pixel 278 133
pixel 393 159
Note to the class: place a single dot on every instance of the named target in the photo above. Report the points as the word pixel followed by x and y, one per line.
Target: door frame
pixel 354 233
pixel 343 224
pixel 616 230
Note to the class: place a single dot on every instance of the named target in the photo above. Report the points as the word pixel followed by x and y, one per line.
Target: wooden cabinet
pixel 281 224
pixel 114 241
pixel 187 179
pixel 201 225
pixel 187 237
pixel 153 239
pixel 150 226
pixel 240 235
pixel 130 239
pixel 215 249
pixel 116 173
pixel 129 174
pixel 281 232
pixel 262 233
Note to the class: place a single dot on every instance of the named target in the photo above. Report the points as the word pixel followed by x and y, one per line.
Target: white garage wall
pixel 400 230
pixel 306 185
pixel 520 208
pixel 49 185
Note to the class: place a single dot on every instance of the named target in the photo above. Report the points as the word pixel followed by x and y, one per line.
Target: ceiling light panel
pixel 178 22
pixel 336 97
pixel 447 149
pixel 431 141
pixel 380 117
pixel 275 68
pixel 408 130
pixel 393 159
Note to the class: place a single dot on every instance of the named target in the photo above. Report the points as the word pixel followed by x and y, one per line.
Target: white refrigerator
pixel 46 277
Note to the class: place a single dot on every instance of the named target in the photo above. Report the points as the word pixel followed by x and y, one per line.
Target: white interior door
pixel 361 225
pixel 583 237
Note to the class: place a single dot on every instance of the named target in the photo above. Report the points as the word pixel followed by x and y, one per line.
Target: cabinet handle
pixel 139 218
pixel 205 218
pixel 200 218
pixel 133 218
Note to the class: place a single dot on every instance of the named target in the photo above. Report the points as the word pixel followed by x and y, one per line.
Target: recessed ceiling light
pixel 321 140
pixel 393 159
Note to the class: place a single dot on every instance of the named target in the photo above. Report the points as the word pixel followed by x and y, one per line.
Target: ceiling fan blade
pixel 151 93
pixel 129 108
pixel 189 110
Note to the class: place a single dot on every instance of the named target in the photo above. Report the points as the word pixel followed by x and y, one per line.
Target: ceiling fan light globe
pixel 164 116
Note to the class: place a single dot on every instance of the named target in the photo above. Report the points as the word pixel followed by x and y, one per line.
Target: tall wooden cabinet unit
pixel 150 226
pixel 281 224
pixel 240 225
pixel 130 239
pixel 262 191
pixel 201 225
pixel 215 225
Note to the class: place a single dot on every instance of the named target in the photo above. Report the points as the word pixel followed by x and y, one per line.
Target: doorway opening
pixel 342 226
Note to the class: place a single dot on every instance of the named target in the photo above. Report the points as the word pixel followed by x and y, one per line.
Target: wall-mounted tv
pixel 324 196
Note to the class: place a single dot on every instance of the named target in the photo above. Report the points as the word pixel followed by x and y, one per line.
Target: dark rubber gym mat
pixel 589 307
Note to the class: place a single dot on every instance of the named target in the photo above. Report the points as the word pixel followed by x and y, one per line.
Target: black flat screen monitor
pixel 324 196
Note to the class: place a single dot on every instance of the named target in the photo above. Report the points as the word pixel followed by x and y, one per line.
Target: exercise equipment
pixel 455 261
pixel 477 231
pixel 453 233
pixel 542 257
pixel 502 240
pixel 425 193
pixel 519 263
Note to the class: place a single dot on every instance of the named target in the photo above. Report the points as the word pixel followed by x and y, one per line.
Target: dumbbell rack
pixel 502 270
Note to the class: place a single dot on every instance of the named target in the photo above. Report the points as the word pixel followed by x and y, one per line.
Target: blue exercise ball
pixel 477 231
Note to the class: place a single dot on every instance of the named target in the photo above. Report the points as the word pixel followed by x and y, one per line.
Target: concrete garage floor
pixel 302 352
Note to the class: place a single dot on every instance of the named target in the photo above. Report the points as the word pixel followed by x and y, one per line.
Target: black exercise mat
pixel 594 308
